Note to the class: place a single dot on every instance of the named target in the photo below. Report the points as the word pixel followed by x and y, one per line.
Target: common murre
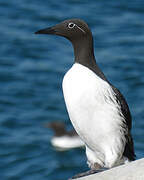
pixel 64 140
pixel 97 110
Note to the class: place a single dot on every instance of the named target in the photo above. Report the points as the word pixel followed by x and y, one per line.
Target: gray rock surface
pixel 130 171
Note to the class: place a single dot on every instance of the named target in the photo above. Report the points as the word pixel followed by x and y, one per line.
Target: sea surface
pixel 31 72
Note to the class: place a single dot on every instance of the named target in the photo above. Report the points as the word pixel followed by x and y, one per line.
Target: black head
pixel 72 29
pixel 78 32
pixel 58 128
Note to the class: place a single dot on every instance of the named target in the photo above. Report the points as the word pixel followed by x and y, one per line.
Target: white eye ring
pixel 71 25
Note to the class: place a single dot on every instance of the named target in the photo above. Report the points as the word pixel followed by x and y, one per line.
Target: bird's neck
pixel 84 52
pixel 60 132
pixel 84 55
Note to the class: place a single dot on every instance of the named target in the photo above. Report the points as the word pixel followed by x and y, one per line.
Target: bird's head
pixel 72 29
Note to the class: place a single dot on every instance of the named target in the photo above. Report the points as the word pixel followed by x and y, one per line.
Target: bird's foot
pixel 92 171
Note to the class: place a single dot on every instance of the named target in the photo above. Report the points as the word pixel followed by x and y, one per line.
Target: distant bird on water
pixel 63 139
pixel 97 110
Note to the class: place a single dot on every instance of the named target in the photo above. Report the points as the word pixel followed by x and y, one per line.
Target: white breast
pixel 93 110
pixel 66 142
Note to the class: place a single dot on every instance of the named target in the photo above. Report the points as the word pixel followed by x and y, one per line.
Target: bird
pixel 97 109
pixel 64 140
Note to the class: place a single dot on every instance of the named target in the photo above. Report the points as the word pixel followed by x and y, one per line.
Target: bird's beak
pixel 50 30
pixel 54 30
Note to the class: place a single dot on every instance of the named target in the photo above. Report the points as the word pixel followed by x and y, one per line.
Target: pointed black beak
pixel 49 30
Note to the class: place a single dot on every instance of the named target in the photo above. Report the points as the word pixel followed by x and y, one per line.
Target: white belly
pixel 93 110
pixel 65 142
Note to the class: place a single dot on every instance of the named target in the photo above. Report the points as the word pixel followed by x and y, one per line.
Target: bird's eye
pixel 71 25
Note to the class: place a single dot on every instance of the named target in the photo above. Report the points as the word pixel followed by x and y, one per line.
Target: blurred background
pixel 31 72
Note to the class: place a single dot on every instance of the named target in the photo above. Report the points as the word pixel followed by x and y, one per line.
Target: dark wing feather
pixel 129 147
pixel 124 107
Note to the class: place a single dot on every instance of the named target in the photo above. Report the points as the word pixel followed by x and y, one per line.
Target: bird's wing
pixel 124 107
pixel 129 147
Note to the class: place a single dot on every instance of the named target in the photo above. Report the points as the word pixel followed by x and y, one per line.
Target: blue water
pixel 31 72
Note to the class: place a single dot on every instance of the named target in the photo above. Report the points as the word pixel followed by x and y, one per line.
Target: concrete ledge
pixel 130 171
